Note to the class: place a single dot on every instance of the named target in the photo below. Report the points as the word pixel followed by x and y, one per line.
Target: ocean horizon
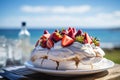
pixel 108 37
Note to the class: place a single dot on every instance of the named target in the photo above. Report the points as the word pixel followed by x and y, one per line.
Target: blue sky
pixel 42 13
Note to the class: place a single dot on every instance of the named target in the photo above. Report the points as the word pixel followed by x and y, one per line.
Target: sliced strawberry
pixel 46 32
pixel 79 32
pixel 49 43
pixel 43 43
pixel 74 30
pixel 87 38
pixel 43 40
pixel 63 32
pixel 56 36
pixel 66 41
pixel 85 41
pixel 69 29
pixel 45 36
pixel 71 34
pixel 37 43
pixel 56 30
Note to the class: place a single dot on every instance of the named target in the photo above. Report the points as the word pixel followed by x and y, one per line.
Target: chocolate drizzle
pixel 57 65
pixel 33 58
pixel 77 60
pixel 44 57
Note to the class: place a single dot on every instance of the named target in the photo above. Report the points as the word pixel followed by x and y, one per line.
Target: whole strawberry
pixel 79 33
pixel 56 36
pixel 49 44
pixel 64 32
pixel 71 34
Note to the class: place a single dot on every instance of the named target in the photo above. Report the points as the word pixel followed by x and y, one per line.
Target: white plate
pixel 105 64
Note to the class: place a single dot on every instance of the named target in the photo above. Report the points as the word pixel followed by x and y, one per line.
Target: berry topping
pixel 80 38
pixel 37 43
pixel 46 32
pixel 56 30
pixel 69 29
pixel 45 36
pixel 66 41
pixel 56 36
pixel 74 30
pixel 79 32
pixel 71 34
pixel 96 41
pixel 63 32
pixel 87 38
pixel 67 37
pixel 49 43
pixel 43 43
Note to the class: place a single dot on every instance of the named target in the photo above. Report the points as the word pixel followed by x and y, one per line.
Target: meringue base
pixel 85 64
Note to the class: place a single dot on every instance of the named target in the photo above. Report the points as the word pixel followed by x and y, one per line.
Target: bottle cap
pixel 23 23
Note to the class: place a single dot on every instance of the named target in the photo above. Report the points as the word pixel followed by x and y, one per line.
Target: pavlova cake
pixel 67 49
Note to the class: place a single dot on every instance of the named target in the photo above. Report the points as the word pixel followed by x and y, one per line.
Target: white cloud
pixel 56 9
pixel 36 9
pixel 102 20
pixel 117 13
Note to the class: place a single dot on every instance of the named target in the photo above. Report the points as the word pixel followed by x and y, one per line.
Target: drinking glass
pixel 10 48
pixel 3 51
pixel 17 53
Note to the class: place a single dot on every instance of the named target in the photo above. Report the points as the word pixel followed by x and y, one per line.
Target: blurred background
pixel 22 22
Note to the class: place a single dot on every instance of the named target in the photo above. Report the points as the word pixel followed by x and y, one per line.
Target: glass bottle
pixel 24 42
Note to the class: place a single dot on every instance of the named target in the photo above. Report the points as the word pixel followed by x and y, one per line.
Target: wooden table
pixel 110 74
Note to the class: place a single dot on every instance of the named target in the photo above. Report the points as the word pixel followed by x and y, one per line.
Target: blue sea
pixel 107 37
